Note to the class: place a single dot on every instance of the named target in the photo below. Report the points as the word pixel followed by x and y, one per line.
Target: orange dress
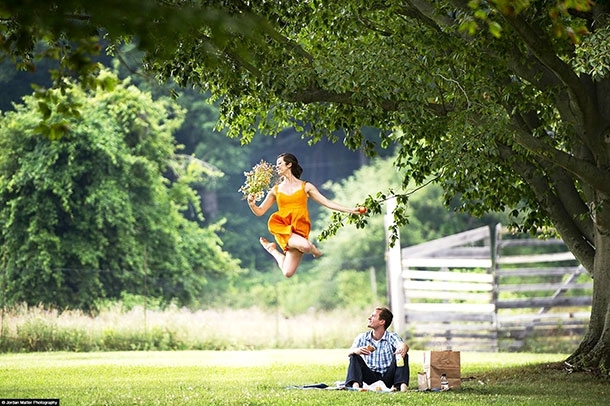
pixel 292 216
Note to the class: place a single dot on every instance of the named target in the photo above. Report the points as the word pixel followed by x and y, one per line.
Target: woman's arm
pixel 264 206
pixel 319 198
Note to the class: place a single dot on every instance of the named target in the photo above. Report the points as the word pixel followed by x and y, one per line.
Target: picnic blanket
pixel 378 387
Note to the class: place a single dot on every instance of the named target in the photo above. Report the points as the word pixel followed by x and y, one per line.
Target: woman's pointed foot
pixel 267 245
pixel 316 252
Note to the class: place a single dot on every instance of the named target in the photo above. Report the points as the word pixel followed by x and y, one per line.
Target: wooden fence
pixel 486 290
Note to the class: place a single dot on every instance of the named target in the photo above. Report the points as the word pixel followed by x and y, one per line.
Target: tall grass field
pixel 29 329
pixel 140 328
pixel 268 377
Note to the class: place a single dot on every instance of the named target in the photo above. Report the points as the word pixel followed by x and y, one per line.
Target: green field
pixel 265 377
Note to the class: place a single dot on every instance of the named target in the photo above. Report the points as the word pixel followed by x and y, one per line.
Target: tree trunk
pixel 209 203
pixel 594 351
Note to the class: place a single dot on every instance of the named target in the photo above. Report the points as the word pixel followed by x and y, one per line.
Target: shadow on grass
pixel 545 380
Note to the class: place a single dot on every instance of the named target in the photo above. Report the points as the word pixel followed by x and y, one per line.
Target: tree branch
pixel 541 77
pixel 570 198
pixel 426 13
pixel 538 43
pixel 531 69
pixel 583 170
pixel 569 229
pixel 315 94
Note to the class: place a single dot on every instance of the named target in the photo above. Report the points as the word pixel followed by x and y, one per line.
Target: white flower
pixel 259 180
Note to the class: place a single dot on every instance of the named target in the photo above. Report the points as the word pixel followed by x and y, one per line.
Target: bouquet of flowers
pixel 259 180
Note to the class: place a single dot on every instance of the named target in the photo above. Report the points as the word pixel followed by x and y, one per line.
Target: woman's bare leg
pixel 272 249
pixel 304 245
pixel 290 261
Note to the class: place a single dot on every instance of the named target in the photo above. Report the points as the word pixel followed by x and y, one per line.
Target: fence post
pixel 373 285
pixel 145 263
pixel 3 293
pixel 394 271
pixel 495 252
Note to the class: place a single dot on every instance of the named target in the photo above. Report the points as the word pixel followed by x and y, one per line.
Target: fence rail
pixel 484 290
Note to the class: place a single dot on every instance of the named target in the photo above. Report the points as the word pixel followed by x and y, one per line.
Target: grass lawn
pixel 264 378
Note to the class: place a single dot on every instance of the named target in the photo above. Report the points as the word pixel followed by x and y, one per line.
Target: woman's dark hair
pixel 296 169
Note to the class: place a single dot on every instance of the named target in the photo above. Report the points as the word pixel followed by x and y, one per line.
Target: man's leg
pixel 396 376
pixel 358 372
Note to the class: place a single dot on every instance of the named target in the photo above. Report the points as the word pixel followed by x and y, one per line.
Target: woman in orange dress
pixel 290 225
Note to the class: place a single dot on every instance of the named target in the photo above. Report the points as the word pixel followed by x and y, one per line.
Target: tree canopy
pixel 505 103
pixel 89 216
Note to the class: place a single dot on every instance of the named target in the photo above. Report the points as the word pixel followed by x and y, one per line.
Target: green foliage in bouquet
pixel 259 180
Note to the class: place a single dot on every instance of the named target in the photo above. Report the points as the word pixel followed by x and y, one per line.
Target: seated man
pixel 373 355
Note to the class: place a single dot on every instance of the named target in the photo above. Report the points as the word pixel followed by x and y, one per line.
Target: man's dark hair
pixel 386 315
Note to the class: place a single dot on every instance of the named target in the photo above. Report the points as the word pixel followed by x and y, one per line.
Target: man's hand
pixel 402 349
pixel 366 350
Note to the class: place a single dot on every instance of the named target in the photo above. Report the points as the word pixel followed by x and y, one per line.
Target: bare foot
pixel 269 246
pixel 316 252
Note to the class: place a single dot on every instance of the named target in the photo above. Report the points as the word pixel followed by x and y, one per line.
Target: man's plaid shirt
pixel 382 357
